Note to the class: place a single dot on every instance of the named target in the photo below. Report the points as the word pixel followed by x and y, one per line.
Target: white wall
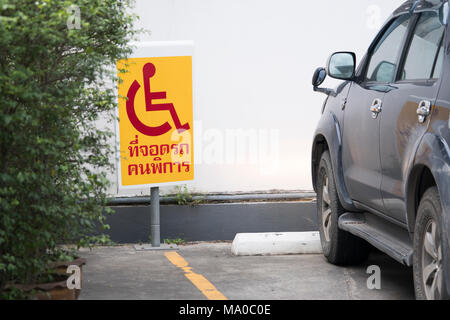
pixel 253 67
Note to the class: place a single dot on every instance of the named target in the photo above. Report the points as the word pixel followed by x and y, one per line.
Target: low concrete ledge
pixel 211 222
pixel 221 198
pixel 260 244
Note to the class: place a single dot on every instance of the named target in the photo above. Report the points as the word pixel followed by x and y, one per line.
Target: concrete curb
pixel 261 244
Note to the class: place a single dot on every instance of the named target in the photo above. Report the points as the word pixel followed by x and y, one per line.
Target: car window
pixel 383 61
pixel 424 59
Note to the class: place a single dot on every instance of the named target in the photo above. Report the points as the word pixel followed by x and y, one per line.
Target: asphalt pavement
pixel 209 271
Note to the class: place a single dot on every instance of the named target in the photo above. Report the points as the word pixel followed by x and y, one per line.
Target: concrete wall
pixel 256 111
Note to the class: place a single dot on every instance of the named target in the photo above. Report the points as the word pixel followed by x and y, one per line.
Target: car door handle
pixel 376 108
pixel 424 110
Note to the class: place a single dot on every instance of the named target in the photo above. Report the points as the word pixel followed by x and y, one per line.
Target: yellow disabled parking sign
pixel 155 117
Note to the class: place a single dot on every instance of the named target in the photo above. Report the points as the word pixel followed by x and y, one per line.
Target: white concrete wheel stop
pixel 270 244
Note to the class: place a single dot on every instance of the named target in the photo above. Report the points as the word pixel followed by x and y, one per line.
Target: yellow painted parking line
pixel 202 284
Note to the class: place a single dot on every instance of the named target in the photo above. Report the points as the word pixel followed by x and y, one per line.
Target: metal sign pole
pixel 155 217
pixel 155 226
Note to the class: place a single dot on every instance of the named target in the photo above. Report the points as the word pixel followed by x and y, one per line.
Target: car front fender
pixel 329 132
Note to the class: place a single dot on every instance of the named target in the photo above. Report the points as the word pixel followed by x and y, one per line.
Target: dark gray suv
pixel 381 155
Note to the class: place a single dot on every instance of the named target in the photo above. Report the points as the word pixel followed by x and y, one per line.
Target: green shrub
pixel 55 82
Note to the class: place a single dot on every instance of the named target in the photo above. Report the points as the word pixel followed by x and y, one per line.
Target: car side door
pixel 407 107
pixel 360 141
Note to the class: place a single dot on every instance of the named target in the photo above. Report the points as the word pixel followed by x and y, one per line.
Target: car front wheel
pixel 339 246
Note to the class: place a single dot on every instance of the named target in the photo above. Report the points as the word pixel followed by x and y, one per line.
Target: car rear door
pixel 407 106
pixel 360 141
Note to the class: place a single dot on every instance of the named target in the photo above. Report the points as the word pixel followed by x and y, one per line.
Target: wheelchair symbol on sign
pixel 149 71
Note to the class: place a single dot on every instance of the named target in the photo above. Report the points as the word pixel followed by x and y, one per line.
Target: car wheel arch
pixel 420 180
pixel 320 145
pixel 329 132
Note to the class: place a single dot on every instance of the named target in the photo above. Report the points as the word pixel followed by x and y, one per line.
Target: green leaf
pixel 53 156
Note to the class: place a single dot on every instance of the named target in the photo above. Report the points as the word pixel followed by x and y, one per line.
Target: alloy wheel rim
pixel 326 208
pixel 432 262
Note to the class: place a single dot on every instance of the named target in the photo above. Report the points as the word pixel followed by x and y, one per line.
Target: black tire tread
pixel 344 248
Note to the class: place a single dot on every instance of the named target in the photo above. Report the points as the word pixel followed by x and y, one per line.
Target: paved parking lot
pixel 209 270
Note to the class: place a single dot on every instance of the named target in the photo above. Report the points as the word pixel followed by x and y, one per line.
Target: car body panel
pixel 361 154
pixel 400 135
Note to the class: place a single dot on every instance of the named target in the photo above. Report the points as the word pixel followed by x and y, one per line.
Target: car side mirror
pixel 319 77
pixel 342 65
pixel 384 72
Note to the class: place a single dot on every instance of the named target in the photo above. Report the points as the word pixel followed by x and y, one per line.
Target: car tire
pixel 339 247
pixel 428 267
